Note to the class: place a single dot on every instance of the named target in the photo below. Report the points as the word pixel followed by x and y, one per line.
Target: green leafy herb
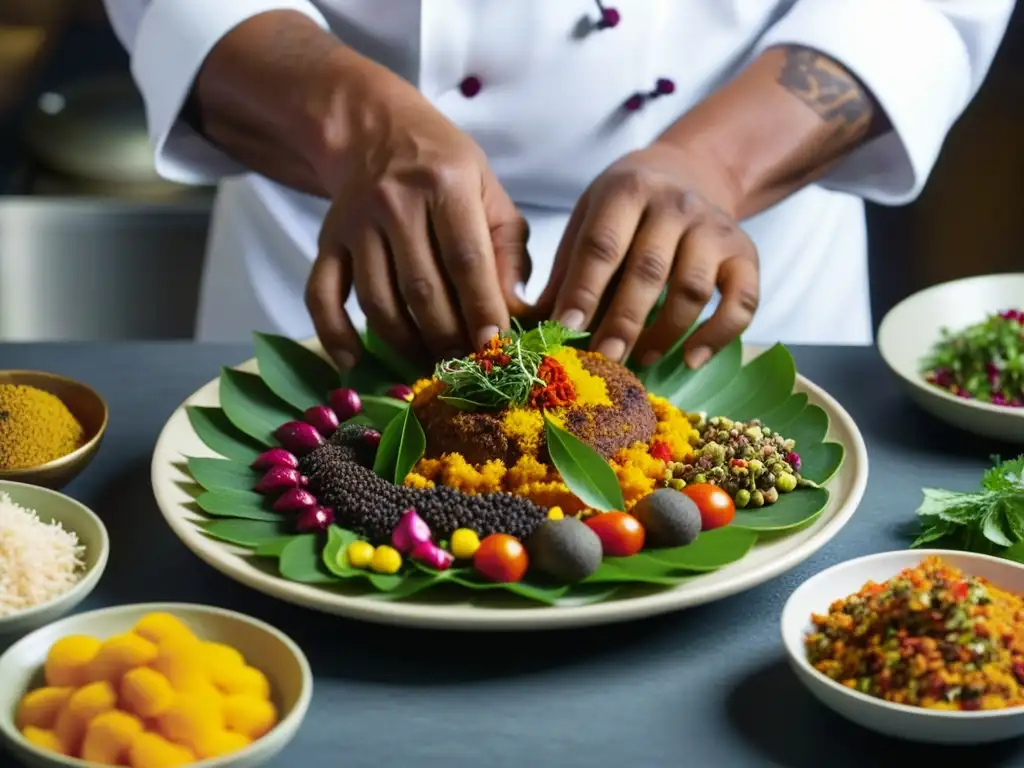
pixel 253 534
pixel 584 471
pixel 252 407
pixel 222 475
pixel 245 506
pixel 402 444
pixel 985 360
pixel 294 373
pixel 988 520
pixel 548 336
pixel 218 433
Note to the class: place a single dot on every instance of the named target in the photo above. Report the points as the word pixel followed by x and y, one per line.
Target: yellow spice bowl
pixel 85 405
pixel 55 507
pixel 263 646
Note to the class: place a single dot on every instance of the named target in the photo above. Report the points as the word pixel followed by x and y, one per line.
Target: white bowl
pixel 264 647
pixel 911 328
pixel 898 720
pixel 53 506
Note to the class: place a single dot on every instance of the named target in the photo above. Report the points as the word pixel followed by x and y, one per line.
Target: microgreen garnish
pixel 504 372
pixel 988 520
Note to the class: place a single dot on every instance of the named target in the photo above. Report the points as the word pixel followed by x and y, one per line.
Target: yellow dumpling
pixel 159 627
pixel 191 719
pixel 39 708
pixel 109 736
pixel 151 750
pixel 120 653
pixel 68 662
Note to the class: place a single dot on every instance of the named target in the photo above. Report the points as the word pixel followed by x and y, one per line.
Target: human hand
pixel 657 217
pixel 422 229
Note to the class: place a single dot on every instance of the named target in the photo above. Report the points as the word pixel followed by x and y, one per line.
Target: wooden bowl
pixel 85 404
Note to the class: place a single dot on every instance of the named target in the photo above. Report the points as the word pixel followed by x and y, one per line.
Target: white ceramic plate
pixel 899 720
pixel 912 327
pixel 765 561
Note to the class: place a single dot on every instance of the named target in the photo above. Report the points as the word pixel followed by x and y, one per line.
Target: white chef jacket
pixel 549 116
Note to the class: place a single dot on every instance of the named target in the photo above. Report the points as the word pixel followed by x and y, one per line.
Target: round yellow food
pixel 67 663
pixel 109 736
pixel 151 750
pixel 145 692
pixel 39 708
pixel 250 716
pixel 120 653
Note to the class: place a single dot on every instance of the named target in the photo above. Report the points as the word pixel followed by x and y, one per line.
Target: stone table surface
pixel 706 687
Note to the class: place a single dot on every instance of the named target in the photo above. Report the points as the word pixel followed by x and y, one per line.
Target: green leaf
pixel 583 470
pixel 301 561
pixel 402 444
pixel 400 366
pixel 244 506
pixel 221 475
pixel 335 559
pixel 780 418
pixel 379 412
pixel 792 510
pixel 807 429
pixel 765 383
pixel 712 550
pixel 821 462
pixel 243 533
pixel 411 584
pixel 935 501
pixel 1015 553
pixel 371 376
pixel 252 407
pixel 275 546
pixel 296 374
pixel 639 569
pixel 932 531
pixel 538 593
pixel 993 529
pixel 221 436
pixel 688 389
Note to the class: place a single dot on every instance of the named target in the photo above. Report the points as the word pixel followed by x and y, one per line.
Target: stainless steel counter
pixel 84 269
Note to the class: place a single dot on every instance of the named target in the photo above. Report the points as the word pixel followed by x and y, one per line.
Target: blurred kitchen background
pixel 94 246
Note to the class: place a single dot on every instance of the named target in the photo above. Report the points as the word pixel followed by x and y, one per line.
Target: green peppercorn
pixel 725 423
pixel 700 478
pixel 778 468
pixel 788 445
pixel 667 475
pixel 678 483
pixel 742 498
pixel 766 432
pixel 770 495
pixel 748 453
pixel 721 436
pixel 757 499
pixel 768 479
pixel 755 466
pixel 785 482
pixel 754 433
pixel 717 473
pixel 713 451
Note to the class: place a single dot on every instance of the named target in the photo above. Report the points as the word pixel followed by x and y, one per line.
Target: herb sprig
pixel 989 520
pixel 470 386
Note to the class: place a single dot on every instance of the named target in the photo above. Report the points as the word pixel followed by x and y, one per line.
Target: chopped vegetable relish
pixel 929 637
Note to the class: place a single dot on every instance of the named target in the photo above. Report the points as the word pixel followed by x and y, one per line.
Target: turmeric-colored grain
pixel 151 750
pixel 35 427
pixel 249 715
pixel 109 736
pixel 44 739
pixel 67 663
pixel 40 708
pixel 145 692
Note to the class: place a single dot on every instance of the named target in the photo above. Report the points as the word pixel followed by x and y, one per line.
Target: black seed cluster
pixel 351 438
pixel 368 504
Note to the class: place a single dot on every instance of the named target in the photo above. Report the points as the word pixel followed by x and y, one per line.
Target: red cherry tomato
pixel 501 558
pixel 621 534
pixel 715 505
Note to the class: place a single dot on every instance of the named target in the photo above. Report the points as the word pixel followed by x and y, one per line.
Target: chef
pixel 432 168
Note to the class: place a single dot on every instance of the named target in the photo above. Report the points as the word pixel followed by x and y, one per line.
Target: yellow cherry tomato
pixel 360 554
pixel 386 559
pixel 555 513
pixel 464 543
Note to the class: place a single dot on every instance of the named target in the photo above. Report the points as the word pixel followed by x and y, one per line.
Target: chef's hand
pixel 422 229
pixel 655 217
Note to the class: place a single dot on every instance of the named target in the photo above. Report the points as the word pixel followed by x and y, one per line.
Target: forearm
pixel 284 97
pixel 781 124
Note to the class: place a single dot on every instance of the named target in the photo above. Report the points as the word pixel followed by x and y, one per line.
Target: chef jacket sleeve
pixel 922 60
pixel 168 40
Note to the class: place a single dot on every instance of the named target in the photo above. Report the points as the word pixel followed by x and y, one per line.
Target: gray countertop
pixel 707 687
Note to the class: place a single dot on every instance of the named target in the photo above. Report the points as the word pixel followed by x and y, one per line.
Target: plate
pixel 766 560
pixel 898 720
pixel 912 327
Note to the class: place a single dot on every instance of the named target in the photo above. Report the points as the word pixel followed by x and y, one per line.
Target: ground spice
pixel 930 637
pixel 35 427
pixel 558 390
pixel 591 390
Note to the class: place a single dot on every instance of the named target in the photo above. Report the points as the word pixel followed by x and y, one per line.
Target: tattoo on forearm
pixel 827 88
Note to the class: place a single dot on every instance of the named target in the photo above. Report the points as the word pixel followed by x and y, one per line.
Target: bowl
pixel 911 328
pixel 53 506
pixel 898 720
pixel 264 647
pixel 86 406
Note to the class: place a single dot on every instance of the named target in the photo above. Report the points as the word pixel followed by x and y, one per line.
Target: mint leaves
pixel 989 521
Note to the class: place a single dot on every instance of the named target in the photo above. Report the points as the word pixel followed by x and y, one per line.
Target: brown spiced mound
pixel 479 437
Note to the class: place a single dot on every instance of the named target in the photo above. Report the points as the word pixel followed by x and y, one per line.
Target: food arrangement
pixel 988 520
pixel 39 561
pixel 930 637
pixel 530 466
pixel 983 362
pixel 36 427
pixel 155 697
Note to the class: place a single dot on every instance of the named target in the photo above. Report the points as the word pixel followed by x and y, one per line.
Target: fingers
pixel 327 288
pixel 648 265
pixel 738 286
pixel 604 237
pixel 513 261
pixel 545 306
pixel 464 238
pixel 421 283
pixel 379 297
pixel 711 254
